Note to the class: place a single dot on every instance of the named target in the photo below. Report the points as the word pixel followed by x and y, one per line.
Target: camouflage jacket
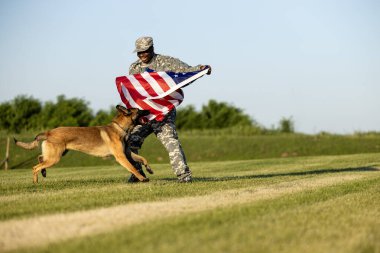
pixel 162 63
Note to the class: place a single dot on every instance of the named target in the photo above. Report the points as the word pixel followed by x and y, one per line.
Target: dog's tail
pixel 33 144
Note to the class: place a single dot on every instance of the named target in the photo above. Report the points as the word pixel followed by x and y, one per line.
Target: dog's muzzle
pixel 143 120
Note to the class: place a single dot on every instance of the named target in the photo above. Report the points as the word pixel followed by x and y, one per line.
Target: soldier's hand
pixel 206 66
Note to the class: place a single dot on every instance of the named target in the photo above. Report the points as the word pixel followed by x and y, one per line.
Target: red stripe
pixel 160 81
pixel 139 98
pixel 119 82
pixel 149 89
pixel 146 85
pixel 164 102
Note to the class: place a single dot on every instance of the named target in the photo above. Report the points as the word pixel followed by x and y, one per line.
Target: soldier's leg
pixel 168 136
pixel 132 144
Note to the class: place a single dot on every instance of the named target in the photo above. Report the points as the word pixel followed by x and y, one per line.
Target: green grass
pixel 339 217
pixel 215 145
pixel 328 220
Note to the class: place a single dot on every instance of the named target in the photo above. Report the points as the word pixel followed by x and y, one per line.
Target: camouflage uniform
pixel 162 63
pixel 165 130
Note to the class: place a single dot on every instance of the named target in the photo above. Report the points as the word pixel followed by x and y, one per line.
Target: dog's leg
pixel 126 164
pixel 141 159
pixel 51 154
pixel 36 169
pixel 42 166
pixel 40 160
pixel 117 151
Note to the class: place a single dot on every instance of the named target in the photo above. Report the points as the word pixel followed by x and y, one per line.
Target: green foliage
pixel 286 125
pixel 26 113
pixel 6 115
pixel 103 117
pixel 222 115
pixel 20 114
pixel 214 115
pixel 188 118
pixel 66 112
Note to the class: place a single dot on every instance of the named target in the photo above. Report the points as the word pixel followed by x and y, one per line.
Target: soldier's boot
pixel 185 178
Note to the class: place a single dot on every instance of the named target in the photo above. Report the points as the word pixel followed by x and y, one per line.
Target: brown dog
pixel 99 141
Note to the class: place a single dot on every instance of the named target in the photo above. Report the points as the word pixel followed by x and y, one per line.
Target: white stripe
pixel 156 106
pixel 132 102
pixel 175 102
pixel 167 79
pixel 176 95
pixel 140 89
pixel 129 97
pixel 153 83
pixel 160 108
pixel 183 83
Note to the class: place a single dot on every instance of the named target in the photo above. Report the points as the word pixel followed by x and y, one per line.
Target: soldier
pixel 165 129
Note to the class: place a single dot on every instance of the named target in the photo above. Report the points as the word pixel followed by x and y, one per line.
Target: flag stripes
pixel 158 92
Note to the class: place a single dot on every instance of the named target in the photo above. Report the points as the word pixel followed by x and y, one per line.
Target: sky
pixel 314 61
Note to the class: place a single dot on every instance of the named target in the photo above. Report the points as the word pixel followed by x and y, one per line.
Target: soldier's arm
pixel 176 65
pixel 134 69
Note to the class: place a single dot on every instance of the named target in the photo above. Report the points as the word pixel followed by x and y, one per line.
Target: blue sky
pixel 315 61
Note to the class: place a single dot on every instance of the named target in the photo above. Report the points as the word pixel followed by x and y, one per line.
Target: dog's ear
pixel 123 110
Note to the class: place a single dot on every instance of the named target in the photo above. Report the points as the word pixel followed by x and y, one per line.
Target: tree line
pixel 25 113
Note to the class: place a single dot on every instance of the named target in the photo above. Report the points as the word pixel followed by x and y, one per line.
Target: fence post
pixel 7 155
pixel 5 161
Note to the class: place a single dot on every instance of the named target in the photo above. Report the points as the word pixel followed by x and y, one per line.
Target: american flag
pixel 158 92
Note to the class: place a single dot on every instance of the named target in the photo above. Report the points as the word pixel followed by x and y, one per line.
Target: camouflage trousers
pixel 165 131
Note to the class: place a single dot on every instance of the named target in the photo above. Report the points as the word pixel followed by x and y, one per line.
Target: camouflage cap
pixel 143 44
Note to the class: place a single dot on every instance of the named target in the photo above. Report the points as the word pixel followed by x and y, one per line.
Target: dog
pixel 101 141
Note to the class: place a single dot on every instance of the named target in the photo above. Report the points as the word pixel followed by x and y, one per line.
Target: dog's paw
pixel 145 180
pixel 35 178
pixel 149 169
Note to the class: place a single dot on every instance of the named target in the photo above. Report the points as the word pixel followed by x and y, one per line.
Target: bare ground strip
pixel 42 230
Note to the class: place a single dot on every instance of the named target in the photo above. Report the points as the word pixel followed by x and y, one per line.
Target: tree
pixel 20 114
pixel 188 118
pixel 6 115
pixel 66 112
pixel 26 110
pixel 103 117
pixel 213 115
pixel 221 115
pixel 286 125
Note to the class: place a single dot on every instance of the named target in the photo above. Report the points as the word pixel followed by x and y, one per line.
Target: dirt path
pixel 39 231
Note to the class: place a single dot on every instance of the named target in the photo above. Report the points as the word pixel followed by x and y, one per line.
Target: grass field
pixel 294 204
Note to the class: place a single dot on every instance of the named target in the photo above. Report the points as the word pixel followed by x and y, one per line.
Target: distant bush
pixel 21 113
pixel 286 125
pixel 66 112
pixel 214 115
pixel 103 117
pixel 27 113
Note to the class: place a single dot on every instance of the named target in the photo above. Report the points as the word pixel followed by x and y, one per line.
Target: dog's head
pixel 136 115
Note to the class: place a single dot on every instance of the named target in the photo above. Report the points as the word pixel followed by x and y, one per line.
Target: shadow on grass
pixel 271 175
pixel 29 162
